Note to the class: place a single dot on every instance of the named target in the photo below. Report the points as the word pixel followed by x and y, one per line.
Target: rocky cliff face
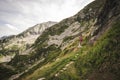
pixel 55 55
pixel 111 9
pixel 109 13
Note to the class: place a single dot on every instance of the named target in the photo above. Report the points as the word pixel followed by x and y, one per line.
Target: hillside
pixel 19 43
pixel 55 55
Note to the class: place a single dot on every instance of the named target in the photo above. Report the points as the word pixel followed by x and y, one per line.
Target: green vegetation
pixel 49 69
pixel 56 29
pixel 68 38
pixel 19 62
pixel 102 57
pixel 5 73
pixel 54 62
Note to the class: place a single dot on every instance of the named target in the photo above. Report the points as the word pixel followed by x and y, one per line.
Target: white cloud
pixel 12 27
pixel 22 14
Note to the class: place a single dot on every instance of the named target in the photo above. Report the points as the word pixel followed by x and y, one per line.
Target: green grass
pixel 91 59
pixel 69 74
pixel 53 63
pixel 104 54
pixel 49 69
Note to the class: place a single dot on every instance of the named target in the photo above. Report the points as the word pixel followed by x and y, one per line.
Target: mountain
pixel 19 43
pixel 37 29
pixel 3 37
pixel 55 55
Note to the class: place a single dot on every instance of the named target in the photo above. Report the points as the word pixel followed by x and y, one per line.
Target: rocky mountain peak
pixel 27 37
pixel 37 29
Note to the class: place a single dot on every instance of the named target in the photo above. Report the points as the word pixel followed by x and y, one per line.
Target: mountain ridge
pixel 24 39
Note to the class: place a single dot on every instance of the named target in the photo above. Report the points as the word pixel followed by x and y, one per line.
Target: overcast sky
pixel 18 15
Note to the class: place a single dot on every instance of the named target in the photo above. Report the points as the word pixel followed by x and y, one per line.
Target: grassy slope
pixel 51 65
pixel 100 62
pixel 103 58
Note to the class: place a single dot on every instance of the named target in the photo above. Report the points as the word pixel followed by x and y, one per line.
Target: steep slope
pixel 55 55
pixel 100 61
pixel 97 62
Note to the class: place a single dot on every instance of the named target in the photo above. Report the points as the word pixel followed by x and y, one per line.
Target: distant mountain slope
pixel 23 40
pixel 37 29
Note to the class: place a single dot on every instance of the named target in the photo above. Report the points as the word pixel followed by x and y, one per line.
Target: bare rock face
pixel 109 13
pixel 72 30
pixel 110 10
pixel 37 29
